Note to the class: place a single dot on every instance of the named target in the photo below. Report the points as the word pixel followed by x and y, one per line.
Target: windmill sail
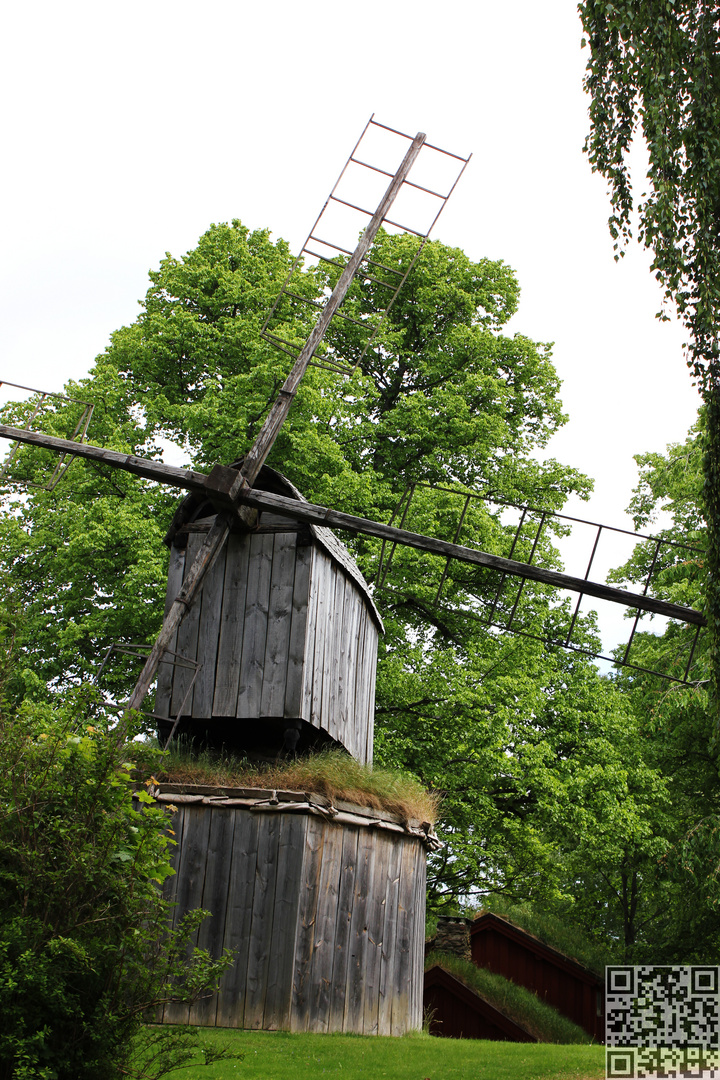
pixel 539 536
pixel 221 482
pixel 230 490
pixel 342 217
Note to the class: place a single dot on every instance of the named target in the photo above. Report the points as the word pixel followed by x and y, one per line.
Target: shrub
pixel 85 952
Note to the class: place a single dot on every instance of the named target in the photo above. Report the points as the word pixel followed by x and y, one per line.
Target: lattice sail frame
pixel 532 523
pixel 332 252
pixel 41 398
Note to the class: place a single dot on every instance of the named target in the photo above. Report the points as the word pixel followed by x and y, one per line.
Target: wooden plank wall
pixel 280 631
pixel 573 995
pixel 328 921
pixel 340 659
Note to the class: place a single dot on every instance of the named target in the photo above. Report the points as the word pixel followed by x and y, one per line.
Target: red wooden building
pixel 459 1013
pixel 572 989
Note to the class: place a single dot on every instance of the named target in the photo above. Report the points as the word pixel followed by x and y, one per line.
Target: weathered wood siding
pixel 328 920
pixel 280 630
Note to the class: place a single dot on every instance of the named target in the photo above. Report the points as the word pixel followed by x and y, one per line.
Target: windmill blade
pixel 321 515
pixel 255 458
pixel 220 486
pixel 221 483
pixel 326 242
pixel 40 401
pixel 151 470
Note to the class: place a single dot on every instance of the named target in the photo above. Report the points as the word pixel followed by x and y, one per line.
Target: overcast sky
pixel 129 128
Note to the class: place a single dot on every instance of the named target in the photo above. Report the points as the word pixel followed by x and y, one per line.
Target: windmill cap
pixel 197 505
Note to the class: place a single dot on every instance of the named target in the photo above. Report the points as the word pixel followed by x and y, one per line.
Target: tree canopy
pixel 536 756
pixel 654 67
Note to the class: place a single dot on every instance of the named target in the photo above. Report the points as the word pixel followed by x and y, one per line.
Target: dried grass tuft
pixel 331 773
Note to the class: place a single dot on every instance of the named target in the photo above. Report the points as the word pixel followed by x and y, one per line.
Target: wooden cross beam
pixel 220 485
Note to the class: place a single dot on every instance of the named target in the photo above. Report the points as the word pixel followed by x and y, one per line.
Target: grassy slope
pixel 521 1005
pixel 558 933
pixel 282 1056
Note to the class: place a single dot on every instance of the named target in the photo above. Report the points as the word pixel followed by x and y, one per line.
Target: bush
pixel 85 952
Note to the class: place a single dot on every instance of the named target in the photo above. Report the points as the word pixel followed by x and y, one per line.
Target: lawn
pixel 283 1056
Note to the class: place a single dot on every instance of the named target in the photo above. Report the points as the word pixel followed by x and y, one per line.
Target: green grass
pixel 521 1005
pixel 331 773
pixel 282 1056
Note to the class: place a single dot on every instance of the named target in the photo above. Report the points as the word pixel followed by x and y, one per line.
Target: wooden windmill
pixel 325 904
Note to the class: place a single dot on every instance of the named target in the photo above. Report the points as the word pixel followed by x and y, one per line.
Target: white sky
pixel 129 128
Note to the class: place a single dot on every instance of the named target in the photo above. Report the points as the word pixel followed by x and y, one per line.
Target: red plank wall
pixel 571 989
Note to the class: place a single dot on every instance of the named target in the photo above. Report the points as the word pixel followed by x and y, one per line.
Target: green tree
pixel 655 66
pixel 85 954
pixel 444 398
pixel 676 721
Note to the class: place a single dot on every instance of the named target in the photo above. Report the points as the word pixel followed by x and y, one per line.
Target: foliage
pixel 545 795
pixel 515 1002
pixel 540 770
pixel 453 399
pixel 332 773
pixel 85 955
pixel 675 722
pixel 279 1055
pixel 655 65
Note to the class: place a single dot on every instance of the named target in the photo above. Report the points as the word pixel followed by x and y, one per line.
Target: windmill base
pixel 323 906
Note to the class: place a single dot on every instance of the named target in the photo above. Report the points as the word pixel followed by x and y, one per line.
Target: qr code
pixel 662 1023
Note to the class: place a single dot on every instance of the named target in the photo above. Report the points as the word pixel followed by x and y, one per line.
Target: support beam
pixel 221 481
pixel 320 515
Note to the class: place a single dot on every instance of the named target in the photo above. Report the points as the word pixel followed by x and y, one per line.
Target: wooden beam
pixel 256 456
pixel 321 515
pixel 151 470
pixel 219 484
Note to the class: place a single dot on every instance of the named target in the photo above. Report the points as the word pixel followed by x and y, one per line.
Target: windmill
pixel 245 519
